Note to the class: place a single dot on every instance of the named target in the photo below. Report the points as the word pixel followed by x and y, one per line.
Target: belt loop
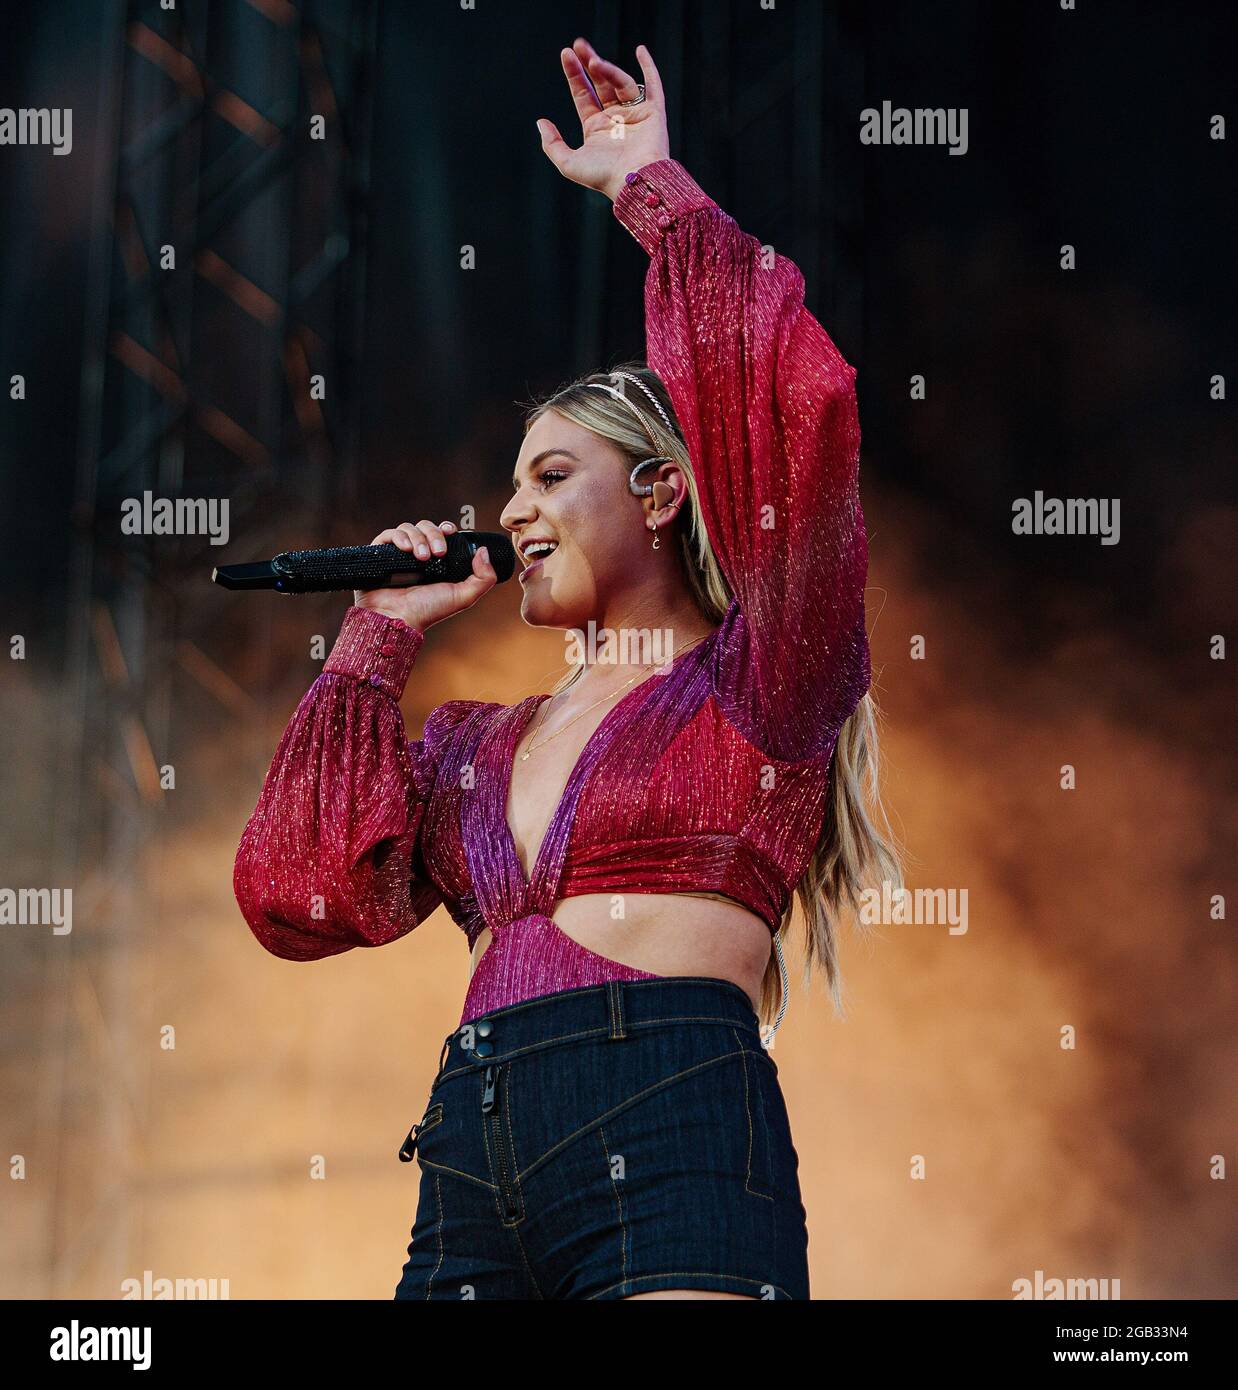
pixel 614 1000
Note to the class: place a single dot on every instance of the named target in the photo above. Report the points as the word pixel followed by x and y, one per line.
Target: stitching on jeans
pixel 751 1138
pixel 438 1197
pixel 624 1105
pixel 644 1023
pixel 528 1268
pixel 694 1274
pixel 599 1032
pixel 446 1168
pixel 543 1043
pixel 623 1225
pixel 748 1113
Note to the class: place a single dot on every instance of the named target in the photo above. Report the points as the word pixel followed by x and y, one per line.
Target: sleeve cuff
pixel 376 649
pixel 655 197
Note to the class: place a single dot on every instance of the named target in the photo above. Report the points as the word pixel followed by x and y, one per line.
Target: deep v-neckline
pixel 580 768
pixel 534 703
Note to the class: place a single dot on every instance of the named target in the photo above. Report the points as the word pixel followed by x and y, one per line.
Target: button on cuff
pixel 655 198
pixel 375 649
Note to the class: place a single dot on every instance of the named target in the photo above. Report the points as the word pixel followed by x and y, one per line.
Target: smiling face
pixel 572 492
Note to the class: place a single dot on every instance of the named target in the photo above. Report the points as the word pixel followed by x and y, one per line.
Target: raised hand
pixel 617 139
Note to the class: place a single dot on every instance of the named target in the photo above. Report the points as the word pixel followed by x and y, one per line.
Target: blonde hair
pixel 854 850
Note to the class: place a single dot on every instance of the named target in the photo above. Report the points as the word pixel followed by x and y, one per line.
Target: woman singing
pixel 607 1121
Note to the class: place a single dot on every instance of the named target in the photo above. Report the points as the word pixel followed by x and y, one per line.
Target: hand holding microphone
pixel 420 574
pixel 427 604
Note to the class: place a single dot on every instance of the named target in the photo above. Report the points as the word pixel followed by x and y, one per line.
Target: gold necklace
pixel 534 746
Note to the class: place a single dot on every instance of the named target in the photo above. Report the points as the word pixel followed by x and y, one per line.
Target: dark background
pixel 1089 127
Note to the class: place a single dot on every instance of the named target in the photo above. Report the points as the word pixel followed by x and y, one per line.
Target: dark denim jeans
pixel 605 1141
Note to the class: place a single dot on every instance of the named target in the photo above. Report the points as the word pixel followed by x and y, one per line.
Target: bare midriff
pixel 702 934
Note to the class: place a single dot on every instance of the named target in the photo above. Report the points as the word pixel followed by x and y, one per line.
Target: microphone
pixel 368 566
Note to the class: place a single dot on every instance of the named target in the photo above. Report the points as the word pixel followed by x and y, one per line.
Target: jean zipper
pixel 409 1147
pixel 506 1164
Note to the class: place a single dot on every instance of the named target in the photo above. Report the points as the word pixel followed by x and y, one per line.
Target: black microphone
pixel 368 566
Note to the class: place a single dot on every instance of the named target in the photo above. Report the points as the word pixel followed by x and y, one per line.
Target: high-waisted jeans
pixel 604 1141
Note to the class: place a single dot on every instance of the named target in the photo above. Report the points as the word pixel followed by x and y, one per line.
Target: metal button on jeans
pixel 484 1028
pixel 483 1049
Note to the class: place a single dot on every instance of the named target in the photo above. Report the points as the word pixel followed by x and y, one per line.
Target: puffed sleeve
pixel 768 408
pixel 329 858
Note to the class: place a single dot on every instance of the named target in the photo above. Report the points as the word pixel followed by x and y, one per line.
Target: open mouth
pixel 535 555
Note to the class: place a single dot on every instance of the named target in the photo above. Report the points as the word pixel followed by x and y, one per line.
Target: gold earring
pixel 657 544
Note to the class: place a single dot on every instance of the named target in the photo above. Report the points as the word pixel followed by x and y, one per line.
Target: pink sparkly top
pixel 709 778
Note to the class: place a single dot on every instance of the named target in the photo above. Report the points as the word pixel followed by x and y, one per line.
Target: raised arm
pixel 768 408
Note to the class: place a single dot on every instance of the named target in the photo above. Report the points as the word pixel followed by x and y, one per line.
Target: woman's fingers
pixel 480 582
pixel 555 148
pixel 396 536
pixel 600 73
pixel 425 533
pixel 433 534
pixel 607 79
pixel 578 84
pixel 409 537
pixel 612 83
pixel 653 80
pixel 420 539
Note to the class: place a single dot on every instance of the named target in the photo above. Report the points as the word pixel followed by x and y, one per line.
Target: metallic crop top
pixel 710 777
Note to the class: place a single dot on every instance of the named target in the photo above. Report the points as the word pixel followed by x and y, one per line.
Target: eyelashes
pixel 547 478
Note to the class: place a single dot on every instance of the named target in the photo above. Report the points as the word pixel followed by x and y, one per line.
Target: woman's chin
pixel 539 611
